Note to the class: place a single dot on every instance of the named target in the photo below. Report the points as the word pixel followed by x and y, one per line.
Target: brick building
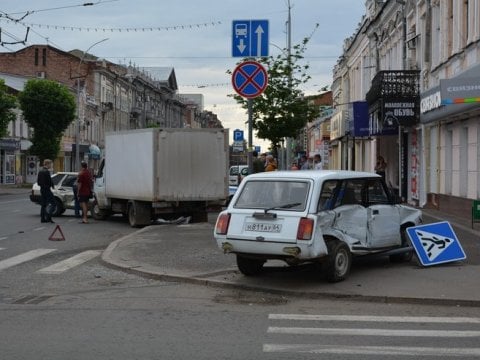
pixel 110 97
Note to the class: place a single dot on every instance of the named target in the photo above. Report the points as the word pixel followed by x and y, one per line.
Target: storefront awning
pixel 94 152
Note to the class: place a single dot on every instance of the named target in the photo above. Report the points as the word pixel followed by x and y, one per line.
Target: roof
pixel 312 174
pixel 15 82
pixel 164 75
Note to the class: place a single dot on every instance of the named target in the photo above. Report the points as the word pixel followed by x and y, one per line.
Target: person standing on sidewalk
pixel 44 180
pixel 258 165
pixel 84 183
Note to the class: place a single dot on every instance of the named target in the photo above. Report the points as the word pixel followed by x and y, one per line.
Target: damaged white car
pixel 314 216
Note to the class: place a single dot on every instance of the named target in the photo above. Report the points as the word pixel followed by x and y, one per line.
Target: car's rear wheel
pixel 339 261
pixel 406 256
pixel 249 266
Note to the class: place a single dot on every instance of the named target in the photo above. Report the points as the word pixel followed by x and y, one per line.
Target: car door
pixel 383 216
pixel 350 213
pixel 65 191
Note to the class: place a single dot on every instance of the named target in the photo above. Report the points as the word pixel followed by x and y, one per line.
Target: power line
pixel 118 29
pixel 29 12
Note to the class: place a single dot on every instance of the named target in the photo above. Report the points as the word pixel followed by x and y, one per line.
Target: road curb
pixel 152 272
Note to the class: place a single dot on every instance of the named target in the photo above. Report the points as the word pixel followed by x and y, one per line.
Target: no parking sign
pixel 249 79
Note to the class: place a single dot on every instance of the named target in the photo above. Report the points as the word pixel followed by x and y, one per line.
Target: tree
pixel 282 110
pixel 7 104
pixel 48 108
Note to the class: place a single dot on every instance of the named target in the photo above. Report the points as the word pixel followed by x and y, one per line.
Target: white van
pixel 236 174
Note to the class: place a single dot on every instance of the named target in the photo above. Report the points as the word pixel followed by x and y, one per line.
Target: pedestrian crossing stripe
pixel 71 262
pixel 436 243
pixel 27 256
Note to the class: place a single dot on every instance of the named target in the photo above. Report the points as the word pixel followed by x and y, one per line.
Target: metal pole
pixel 250 136
pixel 77 122
pixel 289 52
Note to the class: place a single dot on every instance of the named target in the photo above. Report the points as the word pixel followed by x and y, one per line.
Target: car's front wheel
pixel 339 261
pixel 249 266
pixel 59 210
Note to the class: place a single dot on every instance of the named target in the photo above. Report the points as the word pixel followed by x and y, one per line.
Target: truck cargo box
pixel 167 164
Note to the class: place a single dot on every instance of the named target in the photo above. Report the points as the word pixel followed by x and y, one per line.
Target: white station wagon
pixel 314 216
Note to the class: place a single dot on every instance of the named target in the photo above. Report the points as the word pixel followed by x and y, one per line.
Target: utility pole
pixel 289 54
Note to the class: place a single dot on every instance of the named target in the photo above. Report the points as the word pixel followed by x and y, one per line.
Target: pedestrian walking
pixel 84 183
pixel 44 180
pixel 75 198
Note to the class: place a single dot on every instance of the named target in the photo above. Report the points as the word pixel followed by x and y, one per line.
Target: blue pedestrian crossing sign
pixel 250 38
pixel 436 243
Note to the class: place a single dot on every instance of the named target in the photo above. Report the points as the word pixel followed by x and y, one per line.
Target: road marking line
pixel 372 332
pixel 39 228
pixel 69 263
pixel 397 319
pixel 29 255
pixel 3 238
pixel 371 350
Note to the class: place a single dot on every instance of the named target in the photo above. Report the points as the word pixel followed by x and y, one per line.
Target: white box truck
pixel 167 173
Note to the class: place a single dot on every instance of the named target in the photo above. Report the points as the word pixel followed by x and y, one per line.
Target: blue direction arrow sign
pixel 250 38
pixel 249 79
pixel 436 243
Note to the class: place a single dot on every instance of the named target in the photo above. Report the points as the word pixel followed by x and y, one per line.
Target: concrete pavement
pixel 189 253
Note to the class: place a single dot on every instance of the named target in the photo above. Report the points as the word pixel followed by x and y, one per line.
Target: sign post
pixel 250 38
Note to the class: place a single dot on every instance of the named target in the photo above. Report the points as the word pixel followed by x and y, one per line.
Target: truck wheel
pixel 139 214
pixel 248 266
pixel 339 261
pixel 97 213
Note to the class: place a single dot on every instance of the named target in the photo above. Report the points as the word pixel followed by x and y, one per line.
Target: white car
pixel 314 216
pixel 63 192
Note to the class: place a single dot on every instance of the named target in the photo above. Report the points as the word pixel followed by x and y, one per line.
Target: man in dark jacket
pixel 44 180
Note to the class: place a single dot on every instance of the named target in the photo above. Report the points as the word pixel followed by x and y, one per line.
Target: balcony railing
pixel 394 84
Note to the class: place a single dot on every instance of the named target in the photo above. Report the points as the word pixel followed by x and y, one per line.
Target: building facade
pixel 414 66
pixel 110 97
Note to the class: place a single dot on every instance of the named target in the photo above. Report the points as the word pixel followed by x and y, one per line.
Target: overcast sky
pixel 192 36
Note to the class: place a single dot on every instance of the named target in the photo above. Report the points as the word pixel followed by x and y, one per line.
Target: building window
pixel 44 57
pixel 36 57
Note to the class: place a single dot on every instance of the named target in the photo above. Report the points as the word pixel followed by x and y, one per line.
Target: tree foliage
pixel 7 104
pixel 282 110
pixel 49 108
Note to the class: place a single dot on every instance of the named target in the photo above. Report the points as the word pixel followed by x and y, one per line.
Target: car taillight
pixel 305 229
pixel 222 224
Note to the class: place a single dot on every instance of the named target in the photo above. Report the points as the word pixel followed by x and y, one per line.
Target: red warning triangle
pixel 54 237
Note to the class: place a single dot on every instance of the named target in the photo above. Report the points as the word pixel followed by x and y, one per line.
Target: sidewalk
pixel 189 253
pixel 15 189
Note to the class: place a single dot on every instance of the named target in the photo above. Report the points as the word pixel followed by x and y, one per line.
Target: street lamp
pixel 77 122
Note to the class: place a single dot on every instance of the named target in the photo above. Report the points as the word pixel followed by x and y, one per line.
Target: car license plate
pixel 263 227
